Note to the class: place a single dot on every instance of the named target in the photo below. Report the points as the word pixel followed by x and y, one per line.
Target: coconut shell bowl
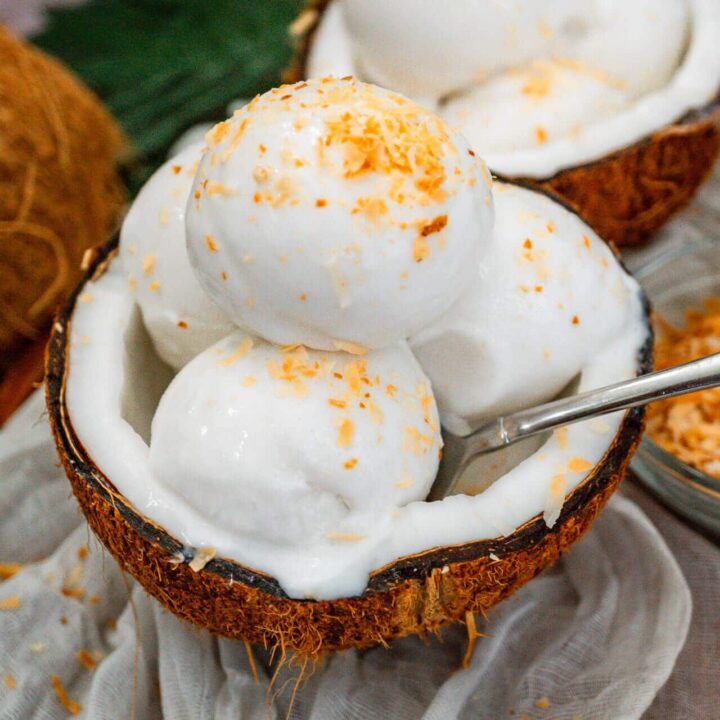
pixel 415 594
pixel 250 418
pixel 626 184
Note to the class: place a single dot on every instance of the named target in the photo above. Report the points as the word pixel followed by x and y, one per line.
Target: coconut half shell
pixel 415 594
pixel 626 195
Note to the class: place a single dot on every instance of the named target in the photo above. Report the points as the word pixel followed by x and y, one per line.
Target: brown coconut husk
pixel 417 594
pixel 59 189
pixel 625 196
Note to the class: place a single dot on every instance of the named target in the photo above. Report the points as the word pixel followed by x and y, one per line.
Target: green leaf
pixel 164 65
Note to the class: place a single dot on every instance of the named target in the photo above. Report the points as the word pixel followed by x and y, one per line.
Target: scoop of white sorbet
pixel 517 75
pixel 430 50
pixel 336 214
pixel 296 447
pixel 180 318
pixel 549 295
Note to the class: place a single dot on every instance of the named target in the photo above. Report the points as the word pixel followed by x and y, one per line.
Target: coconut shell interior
pixel 625 196
pixel 415 594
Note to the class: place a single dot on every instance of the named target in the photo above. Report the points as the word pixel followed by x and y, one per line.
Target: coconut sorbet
pixel 336 213
pixel 332 221
pixel 536 87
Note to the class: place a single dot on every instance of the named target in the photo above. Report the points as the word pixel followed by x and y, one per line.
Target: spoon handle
pixel 680 380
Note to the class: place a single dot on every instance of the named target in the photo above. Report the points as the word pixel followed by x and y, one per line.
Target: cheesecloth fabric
pixel 597 636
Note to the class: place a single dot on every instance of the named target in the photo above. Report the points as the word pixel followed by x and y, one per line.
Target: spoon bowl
pixel 499 433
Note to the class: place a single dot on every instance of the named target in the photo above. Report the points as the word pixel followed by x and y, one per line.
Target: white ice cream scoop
pixel 522 76
pixel 430 50
pixel 180 318
pixel 296 447
pixel 337 215
pixel 548 295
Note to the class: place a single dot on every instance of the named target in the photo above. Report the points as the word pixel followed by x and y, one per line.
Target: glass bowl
pixel 675 281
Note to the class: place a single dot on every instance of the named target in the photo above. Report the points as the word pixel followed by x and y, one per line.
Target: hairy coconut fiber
pixel 625 196
pixel 59 190
pixel 416 594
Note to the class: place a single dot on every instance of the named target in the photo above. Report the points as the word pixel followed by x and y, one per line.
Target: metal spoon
pixel 503 431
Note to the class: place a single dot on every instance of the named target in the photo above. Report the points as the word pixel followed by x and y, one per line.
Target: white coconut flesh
pixel 116 381
pixel 535 87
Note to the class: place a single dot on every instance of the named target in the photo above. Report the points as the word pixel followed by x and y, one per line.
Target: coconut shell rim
pixel 696 117
pixel 416 566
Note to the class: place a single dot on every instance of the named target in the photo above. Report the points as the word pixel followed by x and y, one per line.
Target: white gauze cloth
pixel 594 637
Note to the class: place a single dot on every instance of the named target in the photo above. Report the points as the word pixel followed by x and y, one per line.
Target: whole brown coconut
pixel 59 189
pixel 415 594
pixel 625 196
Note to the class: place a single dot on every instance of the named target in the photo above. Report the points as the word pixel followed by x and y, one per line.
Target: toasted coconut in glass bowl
pixel 276 493
pixel 611 106
pixel 679 457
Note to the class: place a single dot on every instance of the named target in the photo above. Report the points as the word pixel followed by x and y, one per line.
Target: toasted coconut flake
pixel 555 499
pixel 12 602
pixel 88 259
pixel 203 555
pixel 415 441
pixel 87 660
pixel 73 592
pixel 345 433
pixel 71 706
pixel 421 249
pixel 561 435
pixel 344 537
pixel 391 140
pixel 7 570
pixel 406 482
pixel 434 226
pixel 688 426
pixel 242 350
pixel 578 465
pixel 148 264
pixel 350 347
pixel 71 585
